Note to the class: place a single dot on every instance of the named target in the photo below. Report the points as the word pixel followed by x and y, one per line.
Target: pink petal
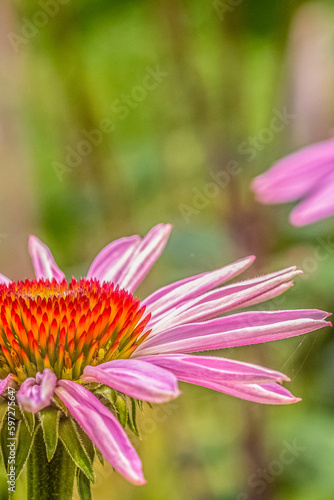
pixel 4 280
pixel 36 393
pixel 113 259
pixel 271 393
pixel 136 378
pixel 144 257
pixel 226 299
pixel 295 175
pixel 43 261
pixel 214 369
pixel 235 330
pixel 176 294
pixel 318 205
pixel 103 428
pixel 4 383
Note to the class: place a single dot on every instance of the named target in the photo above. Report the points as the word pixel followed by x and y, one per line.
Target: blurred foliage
pixel 226 70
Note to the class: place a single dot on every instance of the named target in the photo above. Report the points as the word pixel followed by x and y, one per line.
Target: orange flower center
pixel 66 326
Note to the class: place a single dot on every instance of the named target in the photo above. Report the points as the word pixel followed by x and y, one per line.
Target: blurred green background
pixel 117 115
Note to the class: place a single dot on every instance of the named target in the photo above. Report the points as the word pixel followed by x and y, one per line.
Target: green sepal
pixel 3 443
pixel 108 393
pixel 122 410
pixel 49 418
pixel 99 455
pixel 70 438
pixel 25 441
pixel 29 419
pixel 132 420
pixel 87 443
pixel 83 485
pixel 3 411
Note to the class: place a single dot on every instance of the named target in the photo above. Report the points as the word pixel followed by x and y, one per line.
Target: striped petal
pixel 145 255
pixel 113 259
pixel 212 368
pixel 4 280
pixel 235 330
pixel 173 296
pixel 136 378
pixel 43 261
pixel 225 299
pixel 103 428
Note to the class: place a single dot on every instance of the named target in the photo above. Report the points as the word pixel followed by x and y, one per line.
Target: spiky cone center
pixel 66 326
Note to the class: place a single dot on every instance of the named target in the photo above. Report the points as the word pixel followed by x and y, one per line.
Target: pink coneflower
pixel 65 343
pixel 307 175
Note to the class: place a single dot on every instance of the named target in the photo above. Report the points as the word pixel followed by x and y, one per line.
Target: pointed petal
pixel 176 294
pixel 4 383
pixel 236 330
pixel 136 378
pixel 36 393
pixel 109 264
pixel 318 204
pixel 271 393
pixel 103 428
pixel 4 280
pixel 144 257
pixel 295 175
pixel 214 369
pixel 226 299
pixel 43 261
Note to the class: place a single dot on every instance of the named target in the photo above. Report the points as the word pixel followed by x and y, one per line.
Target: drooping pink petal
pixel 36 393
pixel 4 280
pixel 225 299
pixel 136 378
pixel 212 368
pixel 271 393
pixel 4 383
pixel 145 255
pixel 113 259
pixel 103 428
pixel 318 204
pixel 295 175
pixel 172 296
pixel 43 261
pixel 236 330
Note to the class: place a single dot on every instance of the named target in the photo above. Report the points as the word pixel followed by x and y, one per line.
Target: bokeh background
pixel 117 115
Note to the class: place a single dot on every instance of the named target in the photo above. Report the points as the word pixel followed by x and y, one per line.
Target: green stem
pixel 49 480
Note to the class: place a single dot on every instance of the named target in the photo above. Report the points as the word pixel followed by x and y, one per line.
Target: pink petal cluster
pixel 307 175
pixel 186 318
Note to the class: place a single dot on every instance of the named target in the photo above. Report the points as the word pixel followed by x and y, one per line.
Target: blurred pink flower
pixel 107 341
pixel 307 175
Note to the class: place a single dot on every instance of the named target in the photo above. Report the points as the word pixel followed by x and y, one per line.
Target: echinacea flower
pixel 307 175
pixel 75 349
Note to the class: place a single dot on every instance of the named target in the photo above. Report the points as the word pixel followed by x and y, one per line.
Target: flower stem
pixel 49 480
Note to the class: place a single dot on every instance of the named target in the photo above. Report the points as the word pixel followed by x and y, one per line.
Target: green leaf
pixel 69 436
pixel 122 410
pixel 3 442
pixel 3 411
pixel 83 484
pixel 132 422
pixel 49 418
pixel 87 443
pixel 24 444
